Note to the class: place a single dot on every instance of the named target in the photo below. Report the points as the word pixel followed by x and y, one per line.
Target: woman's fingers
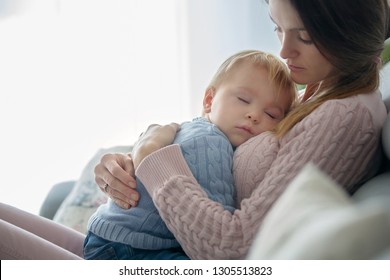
pixel 113 176
pixel 120 167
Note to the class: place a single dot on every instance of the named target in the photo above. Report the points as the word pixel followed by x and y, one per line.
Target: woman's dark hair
pixel 351 35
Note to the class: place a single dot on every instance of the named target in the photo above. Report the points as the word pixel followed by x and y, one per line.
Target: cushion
pixel 376 187
pixel 54 198
pixel 385 90
pixel 386 136
pixel 85 197
pixel 385 85
pixel 316 219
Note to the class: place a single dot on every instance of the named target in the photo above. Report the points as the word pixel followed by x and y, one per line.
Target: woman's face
pixel 306 63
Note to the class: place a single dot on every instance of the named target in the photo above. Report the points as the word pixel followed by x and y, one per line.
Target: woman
pixel 332 47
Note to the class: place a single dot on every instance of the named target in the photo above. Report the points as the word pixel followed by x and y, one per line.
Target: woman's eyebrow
pixel 291 29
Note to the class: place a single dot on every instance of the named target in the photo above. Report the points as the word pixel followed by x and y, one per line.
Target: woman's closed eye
pixel 304 37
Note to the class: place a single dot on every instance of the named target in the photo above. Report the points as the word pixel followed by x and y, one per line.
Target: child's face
pixel 245 104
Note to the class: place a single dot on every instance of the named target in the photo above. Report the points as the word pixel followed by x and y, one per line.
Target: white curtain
pixel 78 75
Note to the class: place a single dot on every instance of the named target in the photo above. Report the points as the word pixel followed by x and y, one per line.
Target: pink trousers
pixel 26 236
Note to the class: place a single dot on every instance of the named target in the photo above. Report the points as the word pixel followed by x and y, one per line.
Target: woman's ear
pixel 208 99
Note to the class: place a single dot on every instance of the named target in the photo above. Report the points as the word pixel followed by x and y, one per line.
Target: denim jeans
pixel 97 248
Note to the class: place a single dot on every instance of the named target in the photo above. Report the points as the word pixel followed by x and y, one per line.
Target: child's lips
pixel 246 129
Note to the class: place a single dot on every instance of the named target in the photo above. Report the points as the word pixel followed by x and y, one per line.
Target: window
pixel 79 75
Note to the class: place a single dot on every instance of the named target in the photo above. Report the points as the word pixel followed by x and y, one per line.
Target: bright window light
pixel 80 75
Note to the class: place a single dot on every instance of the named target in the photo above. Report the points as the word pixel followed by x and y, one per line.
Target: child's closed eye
pixel 245 100
pixel 275 115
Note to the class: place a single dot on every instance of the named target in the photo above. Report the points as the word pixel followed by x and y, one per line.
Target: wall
pixel 216 30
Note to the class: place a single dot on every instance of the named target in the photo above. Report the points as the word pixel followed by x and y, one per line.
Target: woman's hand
pixel 153 139
pixel 114 175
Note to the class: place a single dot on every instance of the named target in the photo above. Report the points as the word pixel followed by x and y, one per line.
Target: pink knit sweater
pixel 341 137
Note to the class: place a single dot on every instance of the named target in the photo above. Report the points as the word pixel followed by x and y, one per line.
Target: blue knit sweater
pixel 209 155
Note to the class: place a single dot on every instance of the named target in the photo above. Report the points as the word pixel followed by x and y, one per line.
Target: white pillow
pixel 85 197
pixel 315 219
pixel 384 86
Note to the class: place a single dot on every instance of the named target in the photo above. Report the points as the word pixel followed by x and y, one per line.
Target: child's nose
pixel 253 117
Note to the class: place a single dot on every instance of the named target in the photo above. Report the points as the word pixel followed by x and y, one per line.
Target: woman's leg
pixel 28 236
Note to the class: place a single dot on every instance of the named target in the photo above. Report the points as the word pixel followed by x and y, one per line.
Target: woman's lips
pixel 295 68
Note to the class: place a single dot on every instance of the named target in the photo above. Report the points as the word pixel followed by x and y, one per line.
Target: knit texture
pixel 209 156
pixel 341 137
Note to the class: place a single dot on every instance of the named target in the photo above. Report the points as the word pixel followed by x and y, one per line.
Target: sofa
pixel 313 219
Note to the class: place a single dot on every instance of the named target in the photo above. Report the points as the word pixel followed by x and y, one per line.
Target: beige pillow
pixel 315 219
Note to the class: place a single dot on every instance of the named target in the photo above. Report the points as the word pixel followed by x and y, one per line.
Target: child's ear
pixel 208 99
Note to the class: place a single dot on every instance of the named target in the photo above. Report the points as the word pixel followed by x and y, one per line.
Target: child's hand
pixel 153 139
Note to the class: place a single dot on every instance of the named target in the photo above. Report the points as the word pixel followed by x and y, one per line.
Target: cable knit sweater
pixel 341 137
pixel 209 155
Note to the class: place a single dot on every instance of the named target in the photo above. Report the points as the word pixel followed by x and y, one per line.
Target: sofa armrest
pixel 54 198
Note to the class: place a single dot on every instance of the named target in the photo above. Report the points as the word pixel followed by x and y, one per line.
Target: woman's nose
pixel 288 49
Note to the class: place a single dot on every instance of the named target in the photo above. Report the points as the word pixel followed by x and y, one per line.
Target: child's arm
pixel 210 159
pixel 206 231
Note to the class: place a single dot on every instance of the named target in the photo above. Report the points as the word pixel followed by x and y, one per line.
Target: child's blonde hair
pixel 278 72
